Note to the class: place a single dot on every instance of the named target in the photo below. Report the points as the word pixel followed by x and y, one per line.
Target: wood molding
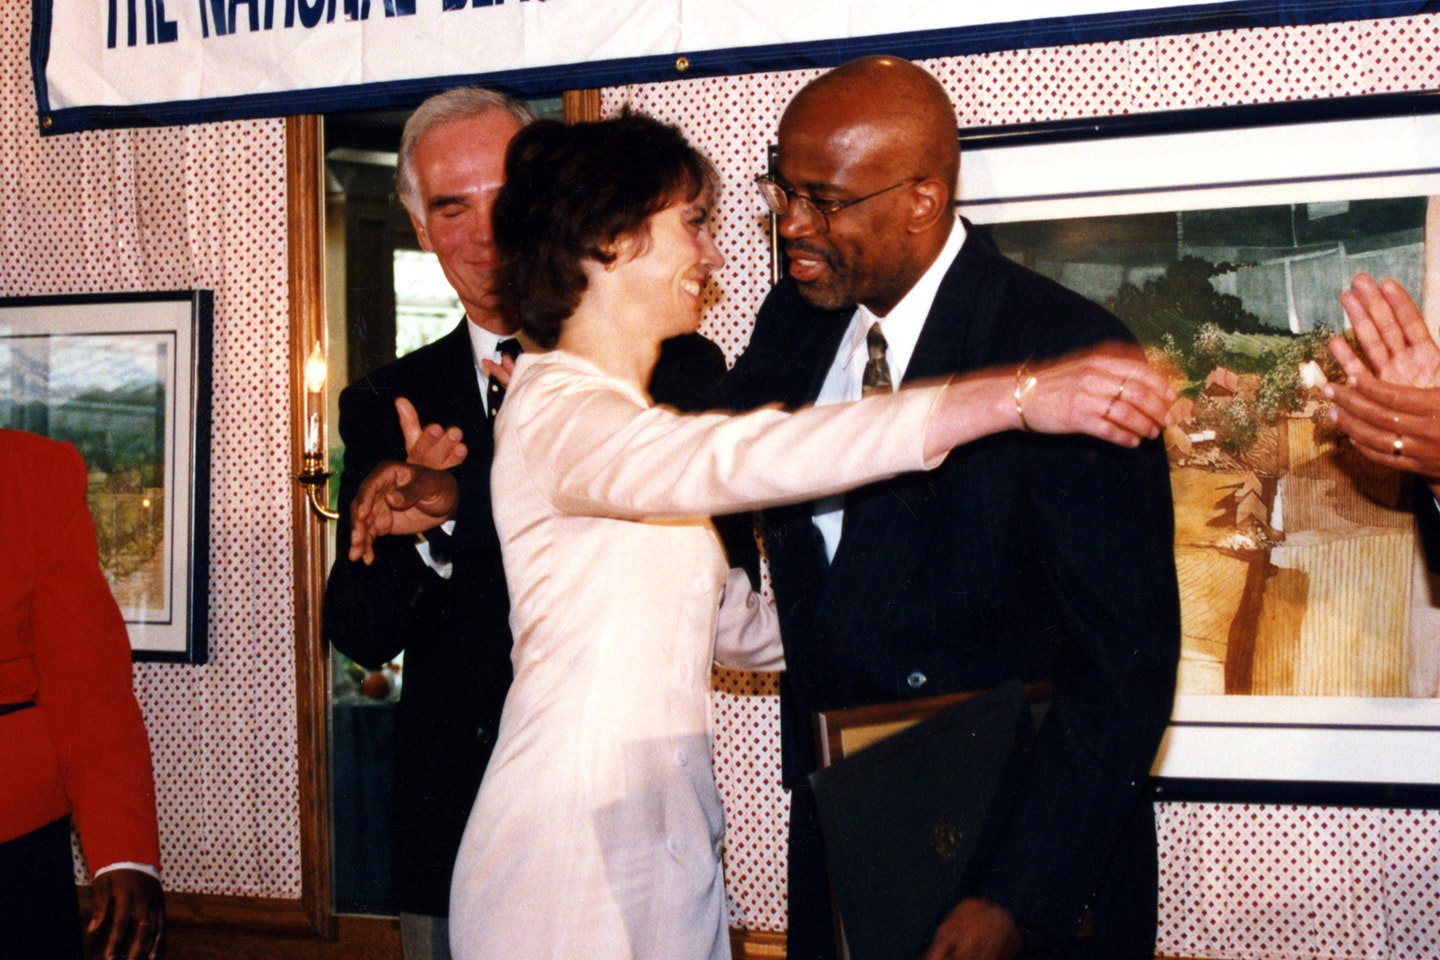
pixel 254 914
pixel 305 218
pixel 757 944
pixel 578 105
pixel 356 938
pixel 262 915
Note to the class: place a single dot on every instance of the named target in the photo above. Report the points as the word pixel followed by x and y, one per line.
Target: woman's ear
pixel 619 250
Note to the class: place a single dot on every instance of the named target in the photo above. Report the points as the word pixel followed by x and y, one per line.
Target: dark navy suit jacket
pixel 455 632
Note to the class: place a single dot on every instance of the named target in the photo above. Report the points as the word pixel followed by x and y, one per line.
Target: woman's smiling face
pixel 666 264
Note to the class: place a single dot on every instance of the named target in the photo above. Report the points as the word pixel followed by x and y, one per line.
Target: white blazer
pixel 598 827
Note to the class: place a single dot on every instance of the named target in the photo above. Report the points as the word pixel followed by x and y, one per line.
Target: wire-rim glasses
pixel 779 197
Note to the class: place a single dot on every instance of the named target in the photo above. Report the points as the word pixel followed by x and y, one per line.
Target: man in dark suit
pixel 1043 558
pixel 441 600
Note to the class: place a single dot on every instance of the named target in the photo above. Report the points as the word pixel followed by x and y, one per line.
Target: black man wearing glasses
pixel 1034 557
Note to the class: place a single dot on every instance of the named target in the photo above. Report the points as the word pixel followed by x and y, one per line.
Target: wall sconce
pixel 313 453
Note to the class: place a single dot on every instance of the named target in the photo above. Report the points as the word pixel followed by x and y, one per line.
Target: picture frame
pixel 1337 733
pixel 126 378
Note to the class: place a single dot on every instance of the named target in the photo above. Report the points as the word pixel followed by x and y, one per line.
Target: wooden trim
pixel 757 944
pixel 305 209
pixel 255 914
pixel 357 938
pixel 578 105
pixel 263 915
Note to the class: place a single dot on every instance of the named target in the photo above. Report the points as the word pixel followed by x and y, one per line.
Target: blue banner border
pixel 550 80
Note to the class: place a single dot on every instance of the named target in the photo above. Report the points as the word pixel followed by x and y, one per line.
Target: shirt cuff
pixel 442 570
pixel 126 865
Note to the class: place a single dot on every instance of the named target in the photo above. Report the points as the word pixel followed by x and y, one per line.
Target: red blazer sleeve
pixel 82 662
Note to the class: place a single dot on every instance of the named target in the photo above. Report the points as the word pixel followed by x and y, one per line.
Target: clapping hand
pixel 1391 332
pixel 434 446
pixel 409 497
pixel 1390 408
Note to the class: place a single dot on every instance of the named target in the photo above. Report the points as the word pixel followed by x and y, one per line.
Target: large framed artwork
pixel 1311 642
pixel 125 378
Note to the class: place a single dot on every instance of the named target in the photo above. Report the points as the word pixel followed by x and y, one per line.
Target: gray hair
pixel 461 103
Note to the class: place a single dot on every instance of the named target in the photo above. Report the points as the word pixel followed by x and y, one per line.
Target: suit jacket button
pixel 483 735
pixel 916 680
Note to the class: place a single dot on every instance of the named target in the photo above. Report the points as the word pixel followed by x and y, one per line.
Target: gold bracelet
pixel 1023 385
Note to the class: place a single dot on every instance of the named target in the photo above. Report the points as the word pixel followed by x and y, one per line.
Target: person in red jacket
pixel 74 739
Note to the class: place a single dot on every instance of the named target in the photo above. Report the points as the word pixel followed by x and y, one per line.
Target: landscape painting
pixel 107 395
pixel 120 380
pixel 1310 638
pixel 1294 553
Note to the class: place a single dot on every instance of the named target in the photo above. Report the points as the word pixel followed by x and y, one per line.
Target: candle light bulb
pixel 315 370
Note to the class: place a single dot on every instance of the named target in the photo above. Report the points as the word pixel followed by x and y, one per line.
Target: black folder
pixel 909 821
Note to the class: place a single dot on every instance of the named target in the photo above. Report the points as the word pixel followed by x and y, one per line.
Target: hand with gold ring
pixel 1108 391
pixel 1118 394
pixel 1391 424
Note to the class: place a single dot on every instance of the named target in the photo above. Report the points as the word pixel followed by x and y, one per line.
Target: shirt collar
pixel 484 343
pixel 903 324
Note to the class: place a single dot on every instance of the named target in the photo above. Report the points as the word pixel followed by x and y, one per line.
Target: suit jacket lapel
pixel 460 388
pixel 964 310
pixel 818 354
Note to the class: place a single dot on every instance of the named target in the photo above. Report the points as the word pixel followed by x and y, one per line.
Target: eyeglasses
pixel 779 197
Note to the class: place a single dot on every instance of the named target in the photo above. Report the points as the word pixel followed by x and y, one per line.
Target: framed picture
pixel 125 378
pixel 1311 642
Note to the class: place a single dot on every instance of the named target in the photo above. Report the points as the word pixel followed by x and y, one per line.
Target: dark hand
pixel 129 912
pixel 977 929
pixel 399 498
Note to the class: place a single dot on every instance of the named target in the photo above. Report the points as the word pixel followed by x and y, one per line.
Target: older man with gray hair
pixel 443 603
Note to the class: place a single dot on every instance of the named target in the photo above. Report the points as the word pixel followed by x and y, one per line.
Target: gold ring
pixel 1121 392
pixel 1398 447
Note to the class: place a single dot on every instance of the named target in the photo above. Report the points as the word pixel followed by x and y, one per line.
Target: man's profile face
pixel 459 167
pixel 861 257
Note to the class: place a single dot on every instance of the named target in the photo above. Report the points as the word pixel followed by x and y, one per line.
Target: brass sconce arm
pixel 315 478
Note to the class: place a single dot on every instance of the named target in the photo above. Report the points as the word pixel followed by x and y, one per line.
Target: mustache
pixel 793 247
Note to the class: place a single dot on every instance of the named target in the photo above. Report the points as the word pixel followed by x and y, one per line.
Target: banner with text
pixel 109 63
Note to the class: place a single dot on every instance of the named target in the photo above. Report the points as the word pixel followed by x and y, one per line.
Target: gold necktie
pixel 876 378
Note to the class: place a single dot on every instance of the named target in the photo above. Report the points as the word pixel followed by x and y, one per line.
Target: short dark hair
pixel 571 191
